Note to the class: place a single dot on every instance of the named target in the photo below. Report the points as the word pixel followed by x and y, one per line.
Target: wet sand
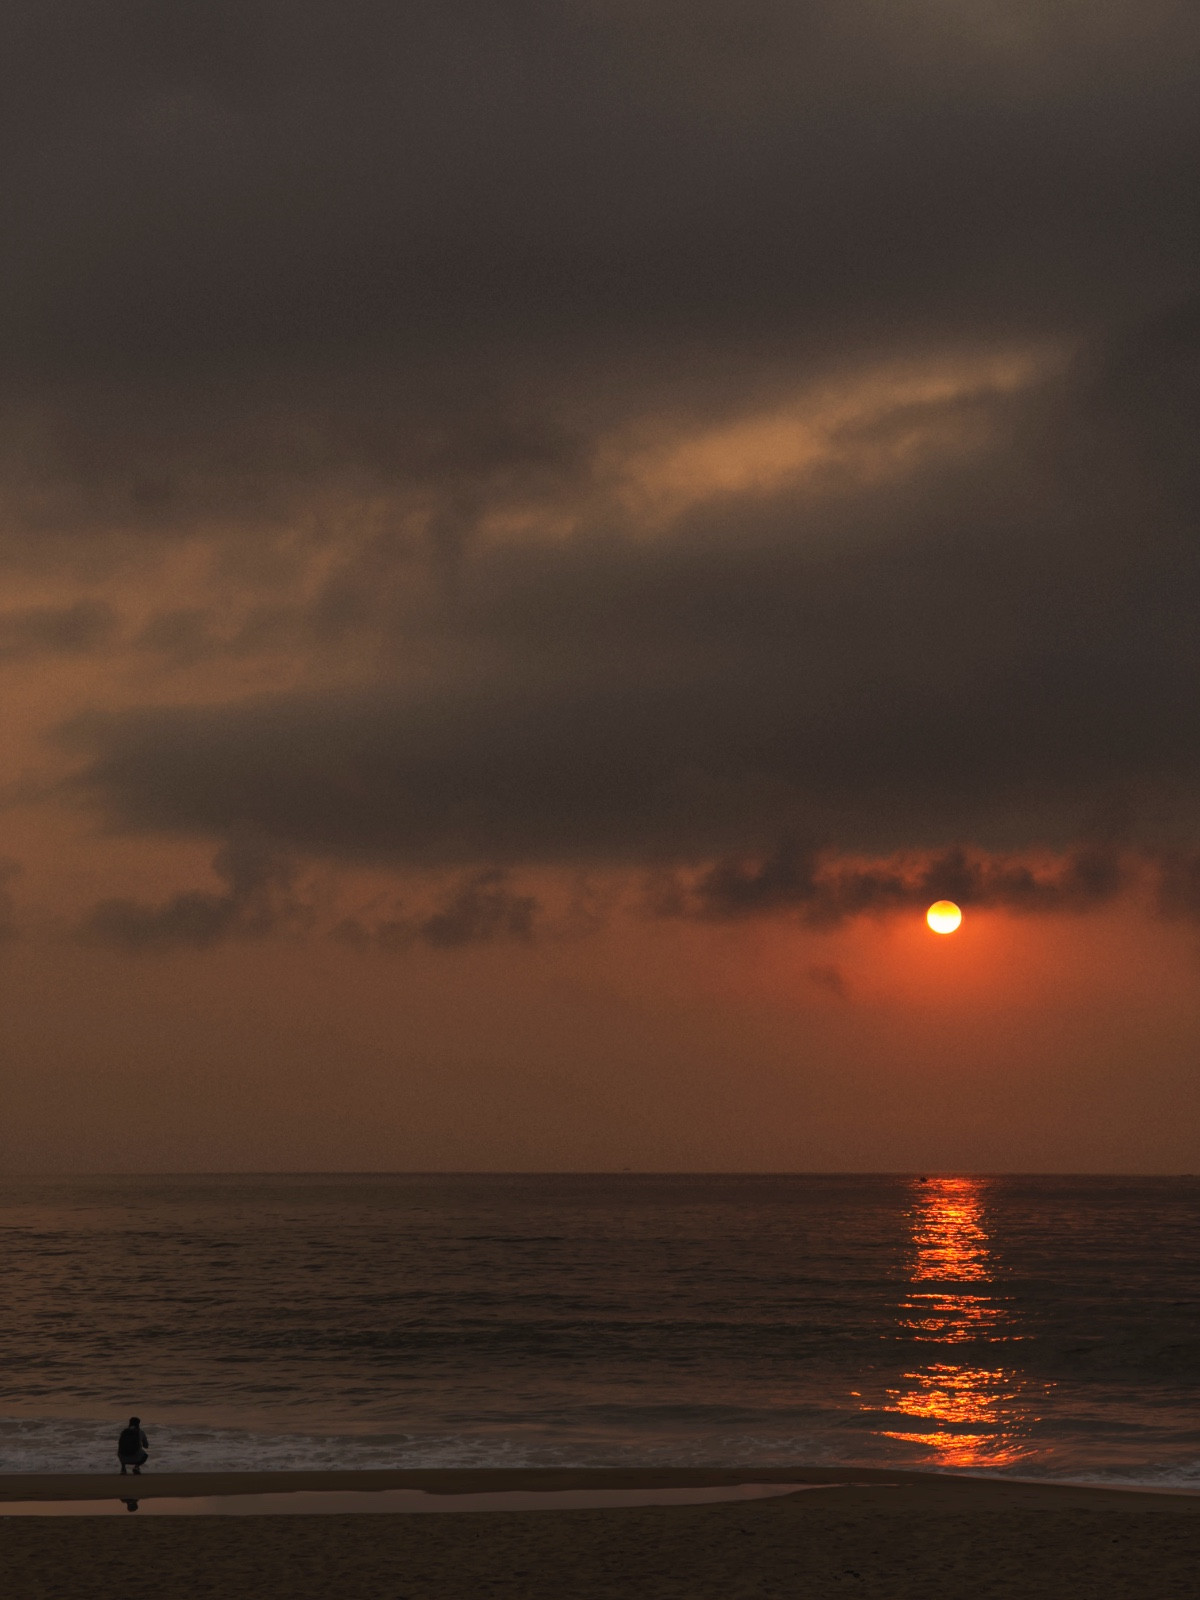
pixel 891 1536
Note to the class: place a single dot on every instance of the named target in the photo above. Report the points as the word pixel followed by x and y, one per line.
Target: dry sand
pixel 889 1536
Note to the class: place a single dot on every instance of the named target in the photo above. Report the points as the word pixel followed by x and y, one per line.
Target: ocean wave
pixel 56 1444
pixel 87 1445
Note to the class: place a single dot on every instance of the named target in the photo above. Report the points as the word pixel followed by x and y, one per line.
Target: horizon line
pixel 589 1172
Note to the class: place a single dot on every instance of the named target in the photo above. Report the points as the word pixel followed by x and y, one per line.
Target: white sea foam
pixel 64 1445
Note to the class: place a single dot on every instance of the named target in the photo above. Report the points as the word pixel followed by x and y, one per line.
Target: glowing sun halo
pixel 943 916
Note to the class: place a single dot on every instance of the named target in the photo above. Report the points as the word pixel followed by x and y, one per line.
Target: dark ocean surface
pixel 1040 1326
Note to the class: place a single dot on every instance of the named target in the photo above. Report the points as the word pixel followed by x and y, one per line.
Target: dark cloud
pixel 259 900
pixel 253 177
pixel 385 300
pixel 819 888
pixel 981 650
pixel 251 252
pixel 482 908
pixel 1179 884
pixel 76 629
pixel 826 890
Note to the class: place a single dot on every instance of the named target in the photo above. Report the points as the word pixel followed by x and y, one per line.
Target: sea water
pixel 1036 1326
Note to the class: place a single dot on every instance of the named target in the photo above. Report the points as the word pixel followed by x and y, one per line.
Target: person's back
pixel 132 1447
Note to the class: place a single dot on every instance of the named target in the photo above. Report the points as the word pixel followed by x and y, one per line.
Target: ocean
pixel 1038 1326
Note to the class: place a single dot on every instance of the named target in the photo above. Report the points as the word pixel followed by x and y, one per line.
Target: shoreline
pixel 480 1480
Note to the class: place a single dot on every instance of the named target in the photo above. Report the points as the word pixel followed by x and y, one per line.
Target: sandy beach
pixel 891 1536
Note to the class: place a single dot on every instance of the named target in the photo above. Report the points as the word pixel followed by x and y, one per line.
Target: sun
pixel 943 916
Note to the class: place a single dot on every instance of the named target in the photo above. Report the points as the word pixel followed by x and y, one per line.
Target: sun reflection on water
pixel 965 1413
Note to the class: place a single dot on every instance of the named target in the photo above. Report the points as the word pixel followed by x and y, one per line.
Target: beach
pixel 947 1339
pixel 888 1535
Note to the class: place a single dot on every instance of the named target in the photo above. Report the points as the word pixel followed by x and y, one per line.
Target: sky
pixel 538 537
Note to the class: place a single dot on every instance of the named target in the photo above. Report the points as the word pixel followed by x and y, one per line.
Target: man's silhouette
pixel 132 1447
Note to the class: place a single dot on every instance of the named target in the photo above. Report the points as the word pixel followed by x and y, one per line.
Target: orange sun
pixel 943 916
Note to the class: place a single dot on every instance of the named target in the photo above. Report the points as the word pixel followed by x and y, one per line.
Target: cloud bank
pixel 610 437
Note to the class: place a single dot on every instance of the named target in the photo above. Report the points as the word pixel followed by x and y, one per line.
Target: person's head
pixel 135 1422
